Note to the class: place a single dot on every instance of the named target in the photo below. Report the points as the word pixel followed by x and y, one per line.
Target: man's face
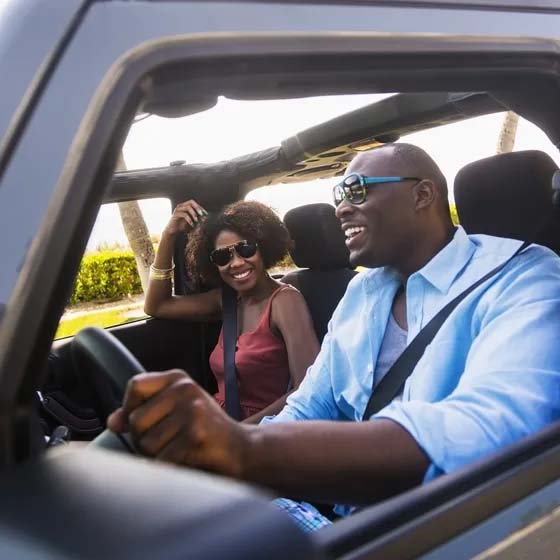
pixel 379 231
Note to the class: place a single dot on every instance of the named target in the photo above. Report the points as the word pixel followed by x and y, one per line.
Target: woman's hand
pixel 172 419
pixel 185 216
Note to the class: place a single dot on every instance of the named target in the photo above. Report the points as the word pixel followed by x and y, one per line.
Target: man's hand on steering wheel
pixel 172 419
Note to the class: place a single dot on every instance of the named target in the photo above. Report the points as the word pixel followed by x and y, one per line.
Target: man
pixel 481 384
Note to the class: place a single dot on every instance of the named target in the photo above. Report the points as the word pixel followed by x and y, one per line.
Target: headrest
pixel 507 195
pixel 318 239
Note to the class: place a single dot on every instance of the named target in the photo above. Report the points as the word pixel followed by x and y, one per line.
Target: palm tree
pixel 137 233
pixel 506 138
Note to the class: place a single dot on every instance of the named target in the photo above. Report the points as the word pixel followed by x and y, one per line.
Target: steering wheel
pixel 102 353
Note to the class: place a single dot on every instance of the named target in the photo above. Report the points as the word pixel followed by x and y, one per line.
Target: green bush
pixel 106 275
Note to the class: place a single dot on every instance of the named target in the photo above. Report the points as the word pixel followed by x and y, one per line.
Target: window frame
pixel 89 166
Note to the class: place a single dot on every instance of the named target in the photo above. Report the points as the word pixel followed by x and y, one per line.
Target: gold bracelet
pixel 156 276
pixel 161 273
pixel 162 270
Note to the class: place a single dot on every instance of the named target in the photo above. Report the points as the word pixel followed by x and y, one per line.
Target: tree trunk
pixel 506 139
pixel 137 234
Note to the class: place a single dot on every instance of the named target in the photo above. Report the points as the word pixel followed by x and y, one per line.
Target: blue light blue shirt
pixel 491 374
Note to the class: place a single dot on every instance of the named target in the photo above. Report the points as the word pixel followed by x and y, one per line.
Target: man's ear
pixel 424 194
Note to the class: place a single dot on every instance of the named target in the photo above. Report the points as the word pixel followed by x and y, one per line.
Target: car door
pixel 239 48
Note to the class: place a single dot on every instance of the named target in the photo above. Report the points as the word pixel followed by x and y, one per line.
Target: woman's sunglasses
pixel 353 187
pixel 223 255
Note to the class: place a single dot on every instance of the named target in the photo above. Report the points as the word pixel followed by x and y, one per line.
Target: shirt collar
pixel 442 269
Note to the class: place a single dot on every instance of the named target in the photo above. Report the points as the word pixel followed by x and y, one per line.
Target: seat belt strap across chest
pixel 391 384
pixel 229 326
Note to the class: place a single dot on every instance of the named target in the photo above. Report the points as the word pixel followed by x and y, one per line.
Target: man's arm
pixel 171 418
pixel 315 399
pixel 510 383
pixel 335 462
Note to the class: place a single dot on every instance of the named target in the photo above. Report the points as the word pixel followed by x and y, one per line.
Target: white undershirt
pixel 393 345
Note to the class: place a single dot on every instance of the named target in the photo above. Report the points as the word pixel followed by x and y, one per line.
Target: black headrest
pixel 507 195
pixel 318 239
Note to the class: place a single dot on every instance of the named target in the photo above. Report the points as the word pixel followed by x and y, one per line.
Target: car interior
pixel 322 276
pixel 508 195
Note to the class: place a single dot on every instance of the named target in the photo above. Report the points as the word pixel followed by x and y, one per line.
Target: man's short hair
pixel 417 163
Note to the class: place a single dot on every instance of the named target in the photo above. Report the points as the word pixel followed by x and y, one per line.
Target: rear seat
pixel 510 195
pixel 321 254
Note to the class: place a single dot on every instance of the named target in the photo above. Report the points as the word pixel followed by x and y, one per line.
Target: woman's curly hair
pixel 252 221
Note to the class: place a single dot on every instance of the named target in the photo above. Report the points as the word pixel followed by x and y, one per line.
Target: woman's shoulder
pixel 284 291
pixel 287 300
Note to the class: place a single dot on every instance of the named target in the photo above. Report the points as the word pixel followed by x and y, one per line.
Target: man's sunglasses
pixel 223 255
pixel 353 187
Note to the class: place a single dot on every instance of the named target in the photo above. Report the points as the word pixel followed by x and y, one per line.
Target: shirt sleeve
pixel 313 399
pixel 510 386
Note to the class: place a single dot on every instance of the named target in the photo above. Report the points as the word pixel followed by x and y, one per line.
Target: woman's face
pixel 242 274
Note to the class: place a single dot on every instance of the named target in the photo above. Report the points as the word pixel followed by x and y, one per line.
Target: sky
pixel 234 128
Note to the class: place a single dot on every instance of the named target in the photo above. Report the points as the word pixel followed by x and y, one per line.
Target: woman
pixel 276 340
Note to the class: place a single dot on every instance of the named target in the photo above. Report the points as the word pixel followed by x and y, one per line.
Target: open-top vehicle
pixel 68 102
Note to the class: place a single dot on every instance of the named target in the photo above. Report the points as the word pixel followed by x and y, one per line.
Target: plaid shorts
pixel 305 515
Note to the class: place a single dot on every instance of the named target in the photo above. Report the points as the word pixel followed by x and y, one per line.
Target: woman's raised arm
pixel 160 301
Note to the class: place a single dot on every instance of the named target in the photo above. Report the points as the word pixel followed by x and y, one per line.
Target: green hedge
pixel 106 275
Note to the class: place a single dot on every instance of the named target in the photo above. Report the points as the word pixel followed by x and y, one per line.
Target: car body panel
pixel 508 523
pixel 23 62
pixel 495 5
pixel 58 172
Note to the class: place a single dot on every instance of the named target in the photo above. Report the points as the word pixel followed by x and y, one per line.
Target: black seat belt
pixel 391 384
pixel 229 325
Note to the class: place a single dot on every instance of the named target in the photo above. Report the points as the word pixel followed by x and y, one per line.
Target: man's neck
pixel 422 255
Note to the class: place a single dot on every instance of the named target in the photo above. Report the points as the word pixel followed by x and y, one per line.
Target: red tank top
pixel 261 360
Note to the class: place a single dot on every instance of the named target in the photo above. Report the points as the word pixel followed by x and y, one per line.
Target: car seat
pixel 321 254
pixel 510 195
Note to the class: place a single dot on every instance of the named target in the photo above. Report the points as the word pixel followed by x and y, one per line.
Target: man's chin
pixel 360 258
pixel 356 259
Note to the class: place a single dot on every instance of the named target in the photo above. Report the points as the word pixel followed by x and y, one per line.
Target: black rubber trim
pixel 28 103
pixel 430 515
